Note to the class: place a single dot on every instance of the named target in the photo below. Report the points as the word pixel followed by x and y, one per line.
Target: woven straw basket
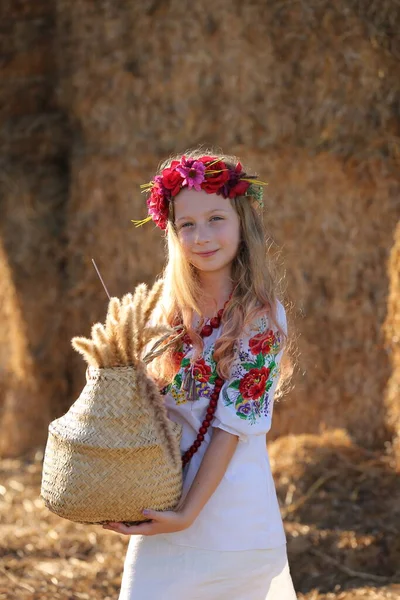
pixel 115 452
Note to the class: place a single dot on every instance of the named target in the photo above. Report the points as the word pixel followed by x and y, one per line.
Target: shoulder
pixel 263 322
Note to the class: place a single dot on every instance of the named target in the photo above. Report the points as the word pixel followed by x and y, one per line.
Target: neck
pixel 216 289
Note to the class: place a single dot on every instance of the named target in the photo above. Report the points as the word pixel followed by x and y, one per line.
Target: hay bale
pixel 315 75
pixel 104 197
pixel 143 76
pixel 307 92
pixel 334 222
pixel 33 141
pixel 392 331
pixel 32 341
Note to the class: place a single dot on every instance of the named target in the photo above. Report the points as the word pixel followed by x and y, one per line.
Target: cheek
pixel 185 241
pixel 231 238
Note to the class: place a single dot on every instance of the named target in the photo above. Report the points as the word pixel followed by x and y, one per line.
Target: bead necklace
pixel 206 331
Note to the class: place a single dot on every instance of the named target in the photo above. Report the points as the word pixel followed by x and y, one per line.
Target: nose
pixel 202 234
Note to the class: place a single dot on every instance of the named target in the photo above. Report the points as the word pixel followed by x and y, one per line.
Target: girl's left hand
pixel 161 522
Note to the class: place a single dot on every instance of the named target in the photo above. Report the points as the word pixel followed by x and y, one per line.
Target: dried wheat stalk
pixel 121 340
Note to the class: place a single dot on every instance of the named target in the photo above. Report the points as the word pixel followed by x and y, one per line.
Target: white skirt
pixel 155 569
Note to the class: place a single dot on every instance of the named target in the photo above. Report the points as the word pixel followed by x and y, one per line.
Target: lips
pixel 206 253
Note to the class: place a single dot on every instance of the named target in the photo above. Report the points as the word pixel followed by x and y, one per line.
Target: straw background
pixel 93 95
pixel 307 95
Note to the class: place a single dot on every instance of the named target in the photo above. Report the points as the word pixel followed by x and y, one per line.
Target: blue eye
pixel 216 217
pixel 185 224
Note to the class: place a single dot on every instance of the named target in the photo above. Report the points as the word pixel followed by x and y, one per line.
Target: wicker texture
pixel 115 452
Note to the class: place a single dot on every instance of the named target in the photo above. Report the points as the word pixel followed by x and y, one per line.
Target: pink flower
pixel 193 173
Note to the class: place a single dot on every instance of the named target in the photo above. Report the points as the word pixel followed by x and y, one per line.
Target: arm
pixel 213 466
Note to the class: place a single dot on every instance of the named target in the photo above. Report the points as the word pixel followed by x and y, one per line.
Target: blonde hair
pixel 254 277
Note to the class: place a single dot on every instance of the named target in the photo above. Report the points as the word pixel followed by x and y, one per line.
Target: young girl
pixel 225 539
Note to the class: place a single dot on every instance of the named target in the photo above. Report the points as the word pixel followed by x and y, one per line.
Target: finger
pixel 154 515
pixel 110 525
pixel 143 529
pixel 116 528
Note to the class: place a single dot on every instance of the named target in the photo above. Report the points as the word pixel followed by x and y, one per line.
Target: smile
pixel 206 253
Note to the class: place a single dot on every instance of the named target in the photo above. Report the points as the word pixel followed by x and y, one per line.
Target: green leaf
pixel 235 384
pixel 185 362
pixel 241 416
pixel 249 365
pixel 178 380
pixel 213 378
pixel 260 361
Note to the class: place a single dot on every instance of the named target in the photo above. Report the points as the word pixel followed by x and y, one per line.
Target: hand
pixel 161 522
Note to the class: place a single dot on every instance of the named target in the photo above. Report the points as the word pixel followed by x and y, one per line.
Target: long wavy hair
pixel 256 287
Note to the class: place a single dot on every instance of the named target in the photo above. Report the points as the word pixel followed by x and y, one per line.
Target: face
pixel 208 229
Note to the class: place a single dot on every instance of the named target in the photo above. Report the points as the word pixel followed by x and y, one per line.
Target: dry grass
pixel 341 506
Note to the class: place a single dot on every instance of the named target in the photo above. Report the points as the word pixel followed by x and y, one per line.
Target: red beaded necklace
pixel 206 331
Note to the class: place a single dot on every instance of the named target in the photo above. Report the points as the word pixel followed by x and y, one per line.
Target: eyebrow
pixel 207 213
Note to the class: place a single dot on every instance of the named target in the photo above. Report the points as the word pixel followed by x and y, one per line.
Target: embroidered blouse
pixel 243 512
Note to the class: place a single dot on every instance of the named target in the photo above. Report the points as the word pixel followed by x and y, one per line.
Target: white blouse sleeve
pixel 246 400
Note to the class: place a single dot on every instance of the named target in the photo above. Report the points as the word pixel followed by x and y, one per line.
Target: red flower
pixel 201 371
pixel 172 179
pixel 262 342
pixel 158 206
pixel 239 189
pixel 253 384
pixel 214 181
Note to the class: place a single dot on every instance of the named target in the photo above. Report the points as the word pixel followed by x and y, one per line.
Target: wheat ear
pixel 101 340
pixel 139 301
pixel 88 349
pixel 152 299
pixel 113 311
pixel 116 355
pixel 137 305
pixel 125 334
pixel 126 299
pixel 111 327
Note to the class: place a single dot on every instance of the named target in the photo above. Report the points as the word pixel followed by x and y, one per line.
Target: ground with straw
pixel 340 504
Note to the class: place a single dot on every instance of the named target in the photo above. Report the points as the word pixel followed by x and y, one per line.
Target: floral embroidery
pixel 178 396
pixel 263 342
pixel 204 390
pixel 201 371
pixel 204 373
pixel 253 376
pixel 252 386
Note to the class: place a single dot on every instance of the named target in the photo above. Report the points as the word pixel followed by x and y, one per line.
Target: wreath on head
pixel 206 173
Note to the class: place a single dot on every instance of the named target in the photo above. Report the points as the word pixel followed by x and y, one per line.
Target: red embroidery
pixel 253 384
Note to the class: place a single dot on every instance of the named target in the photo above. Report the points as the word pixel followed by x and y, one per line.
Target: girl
pixel 225 539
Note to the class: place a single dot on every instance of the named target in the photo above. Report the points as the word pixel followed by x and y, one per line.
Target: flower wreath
pixel 205 173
